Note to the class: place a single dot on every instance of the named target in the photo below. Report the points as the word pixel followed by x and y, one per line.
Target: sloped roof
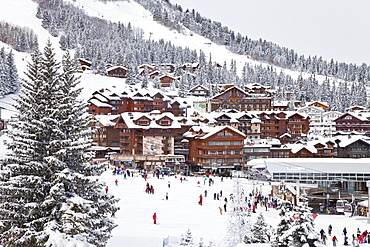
pixel 99 103
pixel 216 129
pixel 116 67
pixel 107 120
pixel 131 117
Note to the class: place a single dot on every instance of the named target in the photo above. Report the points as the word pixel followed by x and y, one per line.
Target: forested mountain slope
pixel 131 33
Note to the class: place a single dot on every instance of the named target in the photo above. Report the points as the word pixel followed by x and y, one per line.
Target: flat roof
pixel 313 165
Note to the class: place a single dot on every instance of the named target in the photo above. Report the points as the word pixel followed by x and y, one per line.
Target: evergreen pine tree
pixel 144 83
pixel 46 183
pixel 187 239
pixel 260 230
pixel 281 236
pixel 13 83
pixel 303 227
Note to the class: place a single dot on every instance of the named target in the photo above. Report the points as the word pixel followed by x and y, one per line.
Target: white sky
pixel 335 29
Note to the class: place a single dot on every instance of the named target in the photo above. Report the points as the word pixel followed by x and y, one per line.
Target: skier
pixel 155 218
pixel 354 241
pixel 345 240
pixel 330 228
pixel 322 232
pixel 116 182
pixel 169 184
pixel 220 210
pixel 166 196
pixel 334 239
pixel 201 200
pixel 324 238
pixel 345 232
pixel 205 193
pixel 106 189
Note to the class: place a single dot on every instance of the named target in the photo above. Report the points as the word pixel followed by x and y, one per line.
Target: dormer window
pixel 143 122
pixel 165 123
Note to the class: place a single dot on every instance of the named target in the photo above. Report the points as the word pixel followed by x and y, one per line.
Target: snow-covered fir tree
pixel 8 73
pixel 281 236
pixel 187 238
pixel 303 228
pixel 13 83
pixel 238 228
pixel 260 230
pixel 144 82
pixel 47 185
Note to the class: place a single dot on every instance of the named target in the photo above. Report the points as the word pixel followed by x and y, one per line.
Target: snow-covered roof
pixel 99 103
pixel 314 165
pixel 106 120
pixel 295 148
pixel 131 117
pixel 213 130
pixel 281 103
pixel 116 67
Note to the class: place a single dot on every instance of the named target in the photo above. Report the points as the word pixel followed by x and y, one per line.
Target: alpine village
pixel 299 123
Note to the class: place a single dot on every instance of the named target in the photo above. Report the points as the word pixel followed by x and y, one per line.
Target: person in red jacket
pixel 334 241
pixel 201 200
pixel 155 218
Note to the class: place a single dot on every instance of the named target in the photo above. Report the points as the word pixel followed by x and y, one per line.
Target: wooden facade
pixel 220 149
pixel 105 134
pixel 199 90
pixel 348 122
pixel 147 134
pixel 103 104
pixel 357 149
pixel 166 80
pixel 117 71
pixel 235 98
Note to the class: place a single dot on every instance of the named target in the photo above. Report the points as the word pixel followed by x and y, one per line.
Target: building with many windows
pixel 147 133
pixel 216 148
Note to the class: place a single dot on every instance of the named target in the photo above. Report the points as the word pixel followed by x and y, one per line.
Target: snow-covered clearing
pixel 181 211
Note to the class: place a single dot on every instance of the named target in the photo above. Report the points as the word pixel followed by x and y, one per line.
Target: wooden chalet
pixel 216 148
pixel 85 64
pixel 236 98
pixel 166 80
pixel 117 71
pixel 350 121
pixel 199 90
pixel 323 105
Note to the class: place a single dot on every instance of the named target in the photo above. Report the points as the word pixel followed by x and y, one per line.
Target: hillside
pixel 132 13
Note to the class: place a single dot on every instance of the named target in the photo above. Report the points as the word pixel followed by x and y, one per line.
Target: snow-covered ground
pixel 181 212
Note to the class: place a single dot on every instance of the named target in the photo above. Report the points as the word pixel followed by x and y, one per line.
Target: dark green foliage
pixel 46 185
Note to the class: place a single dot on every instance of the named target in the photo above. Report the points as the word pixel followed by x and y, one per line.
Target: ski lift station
pixel 337 176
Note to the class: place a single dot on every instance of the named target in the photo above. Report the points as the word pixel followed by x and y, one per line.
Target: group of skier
pixel 358 238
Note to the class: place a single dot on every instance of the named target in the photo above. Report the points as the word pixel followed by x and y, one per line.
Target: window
pixel 220 152
pixel 218 143
pixel 228 152
pixel 165 122
pixel 142 122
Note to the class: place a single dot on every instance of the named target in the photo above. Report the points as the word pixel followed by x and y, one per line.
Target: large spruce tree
pixel 48 186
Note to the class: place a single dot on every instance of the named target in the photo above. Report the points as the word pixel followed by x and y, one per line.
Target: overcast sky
pixel 337 29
